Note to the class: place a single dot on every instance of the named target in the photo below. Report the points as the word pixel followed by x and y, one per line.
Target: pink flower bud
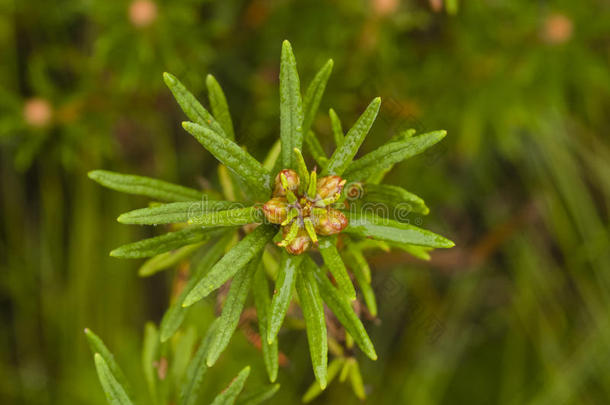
pixel 329 222
pixel 330 186
pixel 276 210
pixel 142 13
pixel 293 182
pixel 299 244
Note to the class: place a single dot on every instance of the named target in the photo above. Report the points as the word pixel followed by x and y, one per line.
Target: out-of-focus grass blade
pixel 391 153
pixel 343 155
pixel 282 294
pixel 150 351
pixel 316 150
pixel 175 314
pixel 167 260
pixel 291 106
pixel 333 261
pixel 163 243
pixel 314 94
pixel 97 346
pixel 343 310
pixel 234 157
pixel 272 156
pixel 115 392
pixel 336 126
pixel 191 107
pixel 183 348
pixel 259 396
pixel 173 212
pixel 356 379
pixel 231 263
pixel 233 217
pixel 314 389
pixel 189 391
pixel 219 105
pixel 234 304
pixel 146 186
pixel 262 303
pixel 369 225
pixel 313 312
pixel 229 394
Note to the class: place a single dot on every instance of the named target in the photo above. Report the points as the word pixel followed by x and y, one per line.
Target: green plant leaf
pixel 235 158
pixel 316 150
pixel 150 352
pixel 259 396
pixel 313 312
pixel 97 346
pixel 343 155
pixel 231 263
pixel 356 254
pixel 189 390
pixel 343 310
pixel 175 314
pixel 173 213
pixel 291 108
pixel 356 380
pixel 163 243
pixel 146 186
pixel 314 389
pixel 219 105
pixel 232 217
pixel 284 284
pixel 115 392
pixel 391 153
pixel 332 259
pixel 421 252
pixel 314 94
pixel 399 201
pixel 361 278
pixel 369 225
pixel 231 311
pixel 336 126
pixel 262 303
pixel 191 107
pixel 229 394
pixel 273 155
pixel 167 260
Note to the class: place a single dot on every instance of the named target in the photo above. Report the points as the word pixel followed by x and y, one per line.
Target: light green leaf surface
pixel 291 108
pixel 259 396
pixel 219 105
pixel 333 261
pixel 316 150
pixel 232 217
pixel 173 212
pixel 314 389
pixel 229 394
pixel 262 302
pixel 284 284
pixel 115 392
pixel 150 351
pixel 314 94
pixel 336 126
pixel 167 260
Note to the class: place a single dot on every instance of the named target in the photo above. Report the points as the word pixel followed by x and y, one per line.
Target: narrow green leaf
pixel 173 213
pixel 333 369
pixel 259 396
pixel 234 157
pixel 272 156
pixel 343 310
pixel 191 107
pixel 343 155
pixel 336 126
pixel 391 153
pixel 150 352
pixel 421 252
pixel 231 263
pixel 115 392
pixel 291 108
pixel 313 312
pixel 284 284
pixel 361 278
pixel 189 391
pixel 229 394
pixel 219 105
pixel 231 311
pixel 398 201
pixel 333 261
pixel 232 217
pixel 356 379
pixel 262 303
pixel 316 150
pixel 354 251
pixel 369 225
pixel 163 243
pixel 314 94
pixel 167 260
pixel 97 346
pixel 175 314
pixel 146 186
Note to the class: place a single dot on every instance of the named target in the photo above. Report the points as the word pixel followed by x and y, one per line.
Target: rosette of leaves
pixel 278 221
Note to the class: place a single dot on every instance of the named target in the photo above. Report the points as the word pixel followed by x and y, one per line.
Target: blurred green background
pixel 517 313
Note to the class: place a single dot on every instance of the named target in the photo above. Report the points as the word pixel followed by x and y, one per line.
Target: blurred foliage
pixel 517 313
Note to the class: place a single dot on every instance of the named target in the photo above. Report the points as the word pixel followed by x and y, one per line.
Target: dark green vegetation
pixel 516 313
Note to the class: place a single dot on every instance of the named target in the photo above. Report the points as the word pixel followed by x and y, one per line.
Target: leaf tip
pixel 168 78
